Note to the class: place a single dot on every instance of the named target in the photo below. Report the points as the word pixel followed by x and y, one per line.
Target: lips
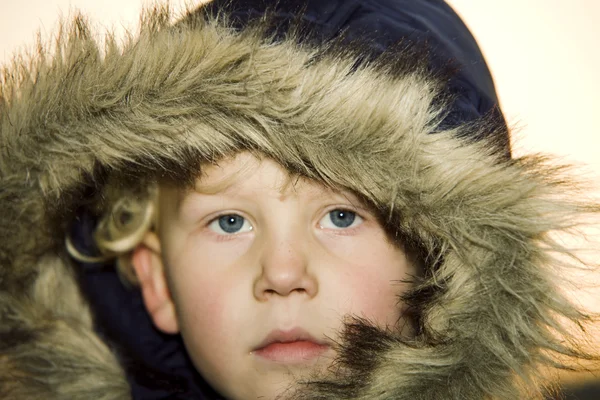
pixel 295 346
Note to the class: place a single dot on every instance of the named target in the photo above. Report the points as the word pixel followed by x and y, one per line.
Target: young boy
pixel 259 273
pixel 256 215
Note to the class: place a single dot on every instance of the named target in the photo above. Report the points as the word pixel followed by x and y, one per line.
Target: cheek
pixel 204 282
pixel 207 299
pixel 368 279
pixel 199 301
pixel 194 285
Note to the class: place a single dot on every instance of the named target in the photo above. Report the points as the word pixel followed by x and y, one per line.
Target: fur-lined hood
pixel 487 307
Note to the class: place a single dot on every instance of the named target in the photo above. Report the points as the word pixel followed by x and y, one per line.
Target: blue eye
pixel 340 219
pixel 230 224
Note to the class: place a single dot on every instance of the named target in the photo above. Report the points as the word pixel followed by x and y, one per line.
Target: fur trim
pixel 488 309
pixel 48 348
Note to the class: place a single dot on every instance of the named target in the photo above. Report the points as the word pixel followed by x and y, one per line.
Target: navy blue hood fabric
pixel 381 24
pixel 157 365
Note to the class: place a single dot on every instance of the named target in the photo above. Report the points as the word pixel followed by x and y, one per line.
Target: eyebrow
pixel 225 183
pixel 216 187
pixel 287 186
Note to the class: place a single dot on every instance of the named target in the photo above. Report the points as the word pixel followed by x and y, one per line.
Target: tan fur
pixel 48 347
pixel 171 97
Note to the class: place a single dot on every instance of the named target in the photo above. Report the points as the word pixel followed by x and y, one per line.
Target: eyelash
pixel 225 236
pixel 339 231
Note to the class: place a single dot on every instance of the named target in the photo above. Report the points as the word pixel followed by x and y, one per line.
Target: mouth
pixel 295 346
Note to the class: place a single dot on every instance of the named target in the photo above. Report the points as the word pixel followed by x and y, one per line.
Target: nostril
pixel 286 292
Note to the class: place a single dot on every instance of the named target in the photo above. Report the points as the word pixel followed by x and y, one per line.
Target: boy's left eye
pixel 340 219
pixel 230 224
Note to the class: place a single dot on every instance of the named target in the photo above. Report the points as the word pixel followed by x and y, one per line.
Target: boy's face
pixel 261 271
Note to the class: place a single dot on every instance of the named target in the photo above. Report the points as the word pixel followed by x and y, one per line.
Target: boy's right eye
pixel 230 224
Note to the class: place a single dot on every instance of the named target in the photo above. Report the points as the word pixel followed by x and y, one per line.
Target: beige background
pixel 544 55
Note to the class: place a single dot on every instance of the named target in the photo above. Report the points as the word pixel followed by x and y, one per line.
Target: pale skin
pixel 250 254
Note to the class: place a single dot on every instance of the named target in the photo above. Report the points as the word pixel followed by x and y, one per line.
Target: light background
pixel 544 55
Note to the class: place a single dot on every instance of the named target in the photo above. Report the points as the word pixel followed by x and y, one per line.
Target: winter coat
pixel 422 138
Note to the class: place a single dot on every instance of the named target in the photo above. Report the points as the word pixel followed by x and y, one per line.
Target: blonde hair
pixel 127 213
pixel 121 228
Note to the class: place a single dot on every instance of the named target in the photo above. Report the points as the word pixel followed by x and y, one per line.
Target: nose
pixel 284 267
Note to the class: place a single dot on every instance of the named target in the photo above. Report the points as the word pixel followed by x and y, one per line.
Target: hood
pixel 383 24
pixel 487 307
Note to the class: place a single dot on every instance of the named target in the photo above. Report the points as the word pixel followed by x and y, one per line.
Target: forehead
pixel 246 172
pixel 235 172
pixel 250 176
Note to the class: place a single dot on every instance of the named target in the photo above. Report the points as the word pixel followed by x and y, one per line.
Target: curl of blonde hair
pixel 121 227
